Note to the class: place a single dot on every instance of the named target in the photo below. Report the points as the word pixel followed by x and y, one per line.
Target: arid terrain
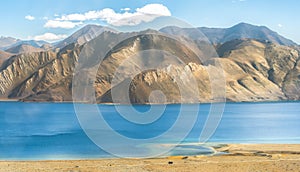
pixel 238 158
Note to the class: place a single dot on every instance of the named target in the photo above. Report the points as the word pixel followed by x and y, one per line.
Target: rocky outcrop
pixel 47 47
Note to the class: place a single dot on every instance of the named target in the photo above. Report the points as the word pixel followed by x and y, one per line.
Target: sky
pixel 52 20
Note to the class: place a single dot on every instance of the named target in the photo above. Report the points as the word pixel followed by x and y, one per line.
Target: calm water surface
pixel 51 131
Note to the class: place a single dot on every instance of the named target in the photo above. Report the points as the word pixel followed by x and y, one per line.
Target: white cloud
pixel 29 17
pixel 280 25
pixel 125 9
pixel 73 17
pixel 234 1
pixel 155 9
pixel 61 24
pixel 50 37
pixel 146 13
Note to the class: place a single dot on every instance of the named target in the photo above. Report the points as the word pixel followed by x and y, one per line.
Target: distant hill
pixel 7 41
pixel 4 56
pixel 222 35
pixel 23 48
pixel 33 43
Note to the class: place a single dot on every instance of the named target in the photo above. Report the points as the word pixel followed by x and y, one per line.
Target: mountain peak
pixel 245 24
pixel 245 30
pixel 87 28
pixel 83 35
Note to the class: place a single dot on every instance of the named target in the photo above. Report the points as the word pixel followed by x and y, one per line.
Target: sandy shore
pixel 238 157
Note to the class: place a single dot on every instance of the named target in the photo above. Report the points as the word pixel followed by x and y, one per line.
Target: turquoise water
pixel 51 131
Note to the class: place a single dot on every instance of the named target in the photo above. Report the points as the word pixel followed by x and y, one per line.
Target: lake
pixel 31 131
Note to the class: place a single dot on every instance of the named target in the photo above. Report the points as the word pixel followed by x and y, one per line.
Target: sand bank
pixel 238 157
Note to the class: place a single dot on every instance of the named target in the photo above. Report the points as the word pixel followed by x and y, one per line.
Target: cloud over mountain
pixel 146 13
pixel 50 37
pixel 61 24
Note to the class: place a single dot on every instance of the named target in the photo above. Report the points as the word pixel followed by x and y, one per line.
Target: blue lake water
pixel 51 131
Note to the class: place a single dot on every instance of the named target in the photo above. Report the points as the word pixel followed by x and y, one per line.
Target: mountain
pixel 7 41
pixel 126 51
pixel 258 71
pixel 83 35
pixel 255 70
pixel 32 74
pixel 239 31
pixel 23 48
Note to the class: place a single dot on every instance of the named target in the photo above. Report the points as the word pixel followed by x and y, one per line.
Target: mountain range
pixel 222 35
pixel 9 42
pixel 258 64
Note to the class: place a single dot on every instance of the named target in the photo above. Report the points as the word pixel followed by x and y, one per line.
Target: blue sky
pixel 46 16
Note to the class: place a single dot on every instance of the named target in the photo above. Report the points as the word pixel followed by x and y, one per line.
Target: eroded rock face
pixel 254 71
pixel 291 83
pixel 247 69
pixel 39 75
pixel 173 84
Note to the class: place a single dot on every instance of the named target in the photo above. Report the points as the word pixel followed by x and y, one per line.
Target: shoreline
pixel 149 104
pixel 236 157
